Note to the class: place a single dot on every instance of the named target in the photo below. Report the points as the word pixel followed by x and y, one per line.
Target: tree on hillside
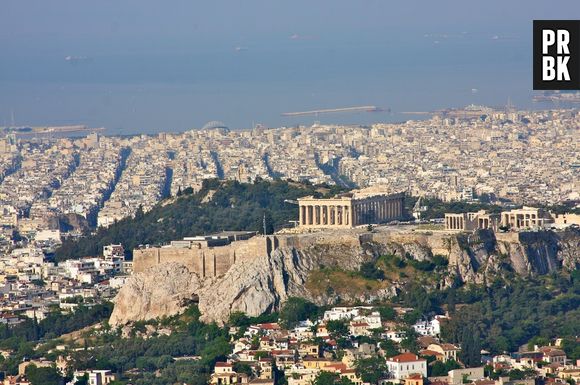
pixel 239 318
pixel 43 376
pixel 329 378
pixel 389 347
pixel 372 369
pixel 387 312
pixel 337 328
pixel 471 348
pixel 410 341
pixel 370 271
pixel 295 310
pixel 442 369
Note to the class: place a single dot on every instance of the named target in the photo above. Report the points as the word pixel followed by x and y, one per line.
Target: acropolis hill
pixel 256 275
pixel 213 255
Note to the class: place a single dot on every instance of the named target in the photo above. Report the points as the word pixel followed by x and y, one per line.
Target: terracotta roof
pixel 339 366
pixel 554 352
pixel 405 357
pixel 269 326
pixel 425 341
pixel 223 365
pixel 428 352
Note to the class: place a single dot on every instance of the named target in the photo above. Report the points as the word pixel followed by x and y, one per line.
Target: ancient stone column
pixel 363 216
pixel 367 211
pixel 330 214
pixel 316 215
pixel 351 214
pixel 350 219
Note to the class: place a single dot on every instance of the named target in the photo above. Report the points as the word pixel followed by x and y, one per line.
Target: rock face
pixel 265 282
pixel 253 288
pixel 256 287
pixel 163 291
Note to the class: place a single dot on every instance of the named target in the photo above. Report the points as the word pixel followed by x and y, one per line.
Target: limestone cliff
pixel 162 291
pixel 261 284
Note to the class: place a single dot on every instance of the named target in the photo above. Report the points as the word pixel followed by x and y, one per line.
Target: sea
pixel 242 86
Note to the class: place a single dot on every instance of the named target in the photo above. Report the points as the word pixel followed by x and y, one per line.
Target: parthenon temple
pixel 349 210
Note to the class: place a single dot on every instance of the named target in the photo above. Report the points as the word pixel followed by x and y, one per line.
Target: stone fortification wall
pixel 204 261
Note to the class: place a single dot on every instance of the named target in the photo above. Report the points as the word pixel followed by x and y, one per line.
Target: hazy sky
pixel 175 64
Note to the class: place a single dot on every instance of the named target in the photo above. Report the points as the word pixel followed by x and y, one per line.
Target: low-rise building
pixel 406 364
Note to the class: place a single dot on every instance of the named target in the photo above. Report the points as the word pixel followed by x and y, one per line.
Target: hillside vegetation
pixel 218 206
pixel 222 205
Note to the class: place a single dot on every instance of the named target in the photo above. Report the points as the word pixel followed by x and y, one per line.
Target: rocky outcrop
pixel 164 290
pixel 263 283
pixel 569 250
pixel 256 287
pixel 253 287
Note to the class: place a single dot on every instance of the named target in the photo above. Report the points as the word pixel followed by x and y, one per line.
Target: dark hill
pixel 219 205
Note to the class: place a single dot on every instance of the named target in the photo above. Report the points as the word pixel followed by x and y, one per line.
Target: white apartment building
pixel 403 365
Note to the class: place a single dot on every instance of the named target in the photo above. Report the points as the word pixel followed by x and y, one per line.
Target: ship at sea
pixel 77 59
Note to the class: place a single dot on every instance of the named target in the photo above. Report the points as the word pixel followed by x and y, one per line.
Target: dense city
pixel 55 189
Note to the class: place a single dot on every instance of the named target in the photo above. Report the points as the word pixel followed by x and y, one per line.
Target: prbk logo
pixel 556 54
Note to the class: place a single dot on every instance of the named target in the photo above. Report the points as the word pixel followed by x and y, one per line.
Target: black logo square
pixel 556 54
